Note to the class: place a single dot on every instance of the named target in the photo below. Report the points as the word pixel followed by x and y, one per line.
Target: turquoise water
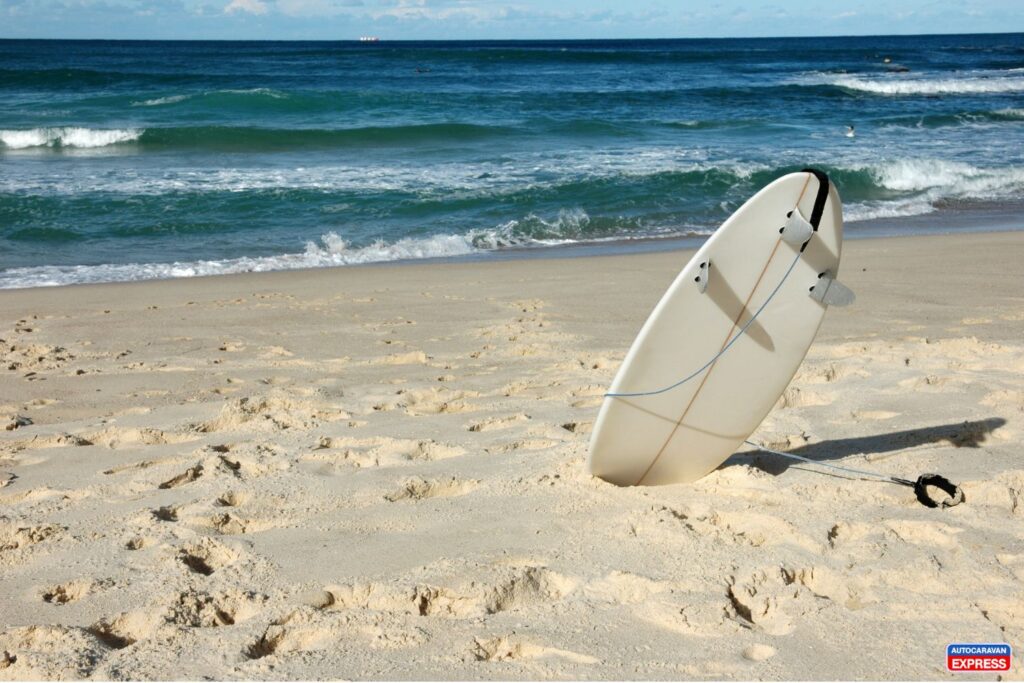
pixel 133 160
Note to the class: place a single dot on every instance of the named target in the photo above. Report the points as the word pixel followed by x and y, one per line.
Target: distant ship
pixel 369 39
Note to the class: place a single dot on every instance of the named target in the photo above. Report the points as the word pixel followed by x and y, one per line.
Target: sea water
pixel 134 160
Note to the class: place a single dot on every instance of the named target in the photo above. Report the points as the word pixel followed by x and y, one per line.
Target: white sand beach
pixel 378 472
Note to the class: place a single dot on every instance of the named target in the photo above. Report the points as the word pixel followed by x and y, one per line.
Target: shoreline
pixel 379 473
pixel 968 218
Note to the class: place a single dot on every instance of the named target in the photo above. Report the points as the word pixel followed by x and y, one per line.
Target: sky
pixel 494 19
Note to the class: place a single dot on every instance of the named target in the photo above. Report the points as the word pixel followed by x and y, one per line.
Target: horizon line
pixel 508 40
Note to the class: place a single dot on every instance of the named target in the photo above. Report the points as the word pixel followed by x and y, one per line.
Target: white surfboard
pixel 681 434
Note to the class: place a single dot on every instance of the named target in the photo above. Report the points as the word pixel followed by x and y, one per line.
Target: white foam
pixel 1011 113
pixel 67 137
pixel 269 92
pixel 174 99
pixel 949 179
pixel 866 211
pixel 566 228
pixel 331 251
pixel 160 101
pixel 927 182
pixel 450 180
pixel 909 85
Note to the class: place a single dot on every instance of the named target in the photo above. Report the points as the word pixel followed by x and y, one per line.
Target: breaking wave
pixel 332 250
pixel 900 85
pixel 568 227
pixel 214 96
pixel 244 138
pixel 67 137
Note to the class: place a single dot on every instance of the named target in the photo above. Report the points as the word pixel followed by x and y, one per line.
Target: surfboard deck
pixel 681 435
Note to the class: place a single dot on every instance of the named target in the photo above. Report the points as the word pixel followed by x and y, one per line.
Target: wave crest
pixel 331 251
pixel 920 185
pixel 568 227
pixel 950 178
pixel 213 95
pixel 931 86
pixel 68 137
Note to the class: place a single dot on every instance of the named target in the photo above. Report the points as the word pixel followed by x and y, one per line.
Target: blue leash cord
pixel 724 348
pixel 851 470
pixel 921 486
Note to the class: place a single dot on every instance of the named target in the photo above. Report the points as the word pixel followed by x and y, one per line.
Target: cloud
pixel 439 10
pixel 247 6
pixel 317 8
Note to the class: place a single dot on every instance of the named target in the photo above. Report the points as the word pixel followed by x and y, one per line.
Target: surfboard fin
pixel 797 230
pixel 831 291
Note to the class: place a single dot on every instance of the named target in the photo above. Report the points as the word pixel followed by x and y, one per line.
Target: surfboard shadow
pixel 819 257
pixel 725 297
pixel 970 434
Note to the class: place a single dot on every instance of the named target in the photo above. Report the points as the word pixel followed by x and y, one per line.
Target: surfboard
pixel 646 435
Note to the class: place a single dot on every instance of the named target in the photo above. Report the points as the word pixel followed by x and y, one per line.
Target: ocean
pixel 135 160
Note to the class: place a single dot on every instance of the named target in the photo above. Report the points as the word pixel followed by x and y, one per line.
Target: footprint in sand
pixel 232 524
pixel 274 411
pixel 494 423
pixel 421 600
pixel 816 373
pixel 527 587
pixel 127 628
pixel 765 600
pixel 853 593
pixel 795 397
pixel 513 589
pixel 73 591
pixel 296 632
pixel 121 437
pixel 188 476
pixel 51 652
pixel 510 648
pixel 381 451
pixel 774 599
pixel 207 556
pixel 199 609
pixel 14 536
pixel 434 401
pixel 421 489
pixel 42 441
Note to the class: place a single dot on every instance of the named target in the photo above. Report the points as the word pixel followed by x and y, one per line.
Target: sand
pixel 377 472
